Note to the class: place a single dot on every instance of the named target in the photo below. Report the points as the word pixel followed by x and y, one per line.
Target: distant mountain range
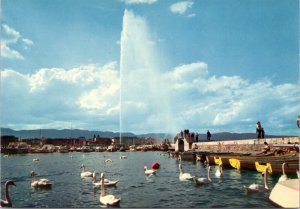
pixel 67 133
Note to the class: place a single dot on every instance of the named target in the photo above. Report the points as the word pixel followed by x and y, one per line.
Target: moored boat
pixel 63 149
pixel 216 159
pixel 276 167
pixel 286 194
pixel 187 156
pixel 86 149
pixel 248 162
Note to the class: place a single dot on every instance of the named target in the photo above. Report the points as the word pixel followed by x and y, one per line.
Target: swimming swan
pixel 123 157
pixel 202 180
pixel 149 171
pixel 95 183
pixel 107 199
pixel 7 202
pixel 184 176
pixel 219 171
pixel 107 161
pixel 257 187
pixel 206 162
pixel 106 181
pixel 85 173
pixel 283 177
pixel 39 183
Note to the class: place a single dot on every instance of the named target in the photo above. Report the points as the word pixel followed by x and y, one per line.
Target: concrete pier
pixel 242 146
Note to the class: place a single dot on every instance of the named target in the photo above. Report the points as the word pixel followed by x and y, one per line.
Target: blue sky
pixel 218 65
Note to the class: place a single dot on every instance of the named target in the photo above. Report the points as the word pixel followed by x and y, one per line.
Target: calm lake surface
pixel 163 190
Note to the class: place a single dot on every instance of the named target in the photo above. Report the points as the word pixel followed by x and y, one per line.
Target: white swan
pixel 184 176
pixel 85 173
pixel 35 159
pixel 123 157
pixel 107 199
pixel 206 162
pixel 149 171
pixel 283 177
pixel 219 171
pixel 95 183
pixel 107 182
pixel 257 187
pixel 39 183
pixel 7 202
pixel 107 161
pixel 202 180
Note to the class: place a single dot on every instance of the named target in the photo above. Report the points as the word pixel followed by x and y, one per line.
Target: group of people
pixel 259 130
pixel 195 136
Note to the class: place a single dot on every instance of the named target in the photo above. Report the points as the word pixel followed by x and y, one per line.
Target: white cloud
pixel 189 71
pixel 27 41
pixel 9 53
pixel 87 95
pixel 139 1
pixel 181 7
pixel 230 102
pixel 11 37
pixel 11 34
pixel 191 15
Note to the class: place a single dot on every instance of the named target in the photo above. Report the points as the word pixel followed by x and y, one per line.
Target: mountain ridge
pixel 67 133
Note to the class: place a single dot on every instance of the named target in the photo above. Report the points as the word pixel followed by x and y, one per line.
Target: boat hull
pixel 286 194
pixel 248 162
pixel 276 168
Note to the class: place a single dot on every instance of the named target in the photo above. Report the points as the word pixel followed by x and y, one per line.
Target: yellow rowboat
pixel 259 165
pixel 262 167
pixel 276 167
pixel 235 163
pixel 248 162
pixel 218 160
pixel 215 159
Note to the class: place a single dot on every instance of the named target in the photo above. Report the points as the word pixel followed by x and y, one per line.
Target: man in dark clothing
pixel 208 135
pixel 259 130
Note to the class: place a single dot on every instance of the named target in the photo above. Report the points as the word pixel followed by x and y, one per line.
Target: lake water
pixel 163 190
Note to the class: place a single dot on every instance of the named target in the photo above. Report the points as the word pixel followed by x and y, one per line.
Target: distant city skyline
pixel 194 65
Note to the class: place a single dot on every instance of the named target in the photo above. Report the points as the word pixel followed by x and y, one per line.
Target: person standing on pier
pixel 208 135
pixel 259 130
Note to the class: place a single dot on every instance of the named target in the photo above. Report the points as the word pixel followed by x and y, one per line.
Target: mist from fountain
pixel 144 94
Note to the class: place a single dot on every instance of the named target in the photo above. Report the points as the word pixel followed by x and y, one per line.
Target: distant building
pixel 5 140
pixel 99 142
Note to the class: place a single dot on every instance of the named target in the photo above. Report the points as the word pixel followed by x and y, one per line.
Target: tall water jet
pixel 144 103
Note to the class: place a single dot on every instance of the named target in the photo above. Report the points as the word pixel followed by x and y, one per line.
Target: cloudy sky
pixel 150 65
